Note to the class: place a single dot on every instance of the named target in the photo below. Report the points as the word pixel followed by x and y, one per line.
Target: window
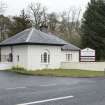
pixel 10 57
pixel 68 57
pixel 45 57
pixel 18 58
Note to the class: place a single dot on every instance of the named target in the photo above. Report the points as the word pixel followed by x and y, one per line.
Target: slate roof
pixel 33 36
pixel 69 46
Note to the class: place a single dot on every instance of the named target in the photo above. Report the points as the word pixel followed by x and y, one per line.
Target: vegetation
pixel 4 23
pixel 2 7
pixel 65 24
pixel 93 28
pixel 59 72
pixel 19 24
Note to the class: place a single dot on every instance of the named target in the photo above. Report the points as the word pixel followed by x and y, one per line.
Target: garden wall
pixel 5 65
pixel 97 66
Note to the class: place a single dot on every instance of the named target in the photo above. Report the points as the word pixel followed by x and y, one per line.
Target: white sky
pixel 14 6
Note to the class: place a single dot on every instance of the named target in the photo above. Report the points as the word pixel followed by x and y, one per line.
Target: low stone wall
pixel 97 66
pixel 5 65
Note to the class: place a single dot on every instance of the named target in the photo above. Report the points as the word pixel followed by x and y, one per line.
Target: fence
pixel 97 66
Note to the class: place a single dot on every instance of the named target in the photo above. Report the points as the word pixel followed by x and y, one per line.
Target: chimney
pixel 44 28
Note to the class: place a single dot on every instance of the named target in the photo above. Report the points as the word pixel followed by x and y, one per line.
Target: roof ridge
pixel 30 34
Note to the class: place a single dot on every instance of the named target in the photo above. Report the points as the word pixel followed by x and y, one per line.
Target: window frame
pixel 18 58
pixel 45 57
pixel 69 57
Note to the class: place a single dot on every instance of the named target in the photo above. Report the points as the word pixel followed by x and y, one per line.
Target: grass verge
pixel 60 72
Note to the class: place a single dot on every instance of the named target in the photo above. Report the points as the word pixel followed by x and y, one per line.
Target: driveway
pixel 18 89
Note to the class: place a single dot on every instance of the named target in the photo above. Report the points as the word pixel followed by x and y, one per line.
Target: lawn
pixel 60 72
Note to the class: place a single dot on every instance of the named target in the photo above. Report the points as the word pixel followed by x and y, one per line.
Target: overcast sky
pixel 14 6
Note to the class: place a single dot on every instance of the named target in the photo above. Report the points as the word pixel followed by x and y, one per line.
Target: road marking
pixel 16 88
pixel 48 85
pixel 47 100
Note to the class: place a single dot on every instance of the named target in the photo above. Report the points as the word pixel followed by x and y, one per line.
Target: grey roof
pixel 33 36
pixel 70 47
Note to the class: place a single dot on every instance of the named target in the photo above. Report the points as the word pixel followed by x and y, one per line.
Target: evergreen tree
pixel 19 23
pixel 93 28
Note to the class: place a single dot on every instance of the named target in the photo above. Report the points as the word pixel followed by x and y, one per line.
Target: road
pixel 16 89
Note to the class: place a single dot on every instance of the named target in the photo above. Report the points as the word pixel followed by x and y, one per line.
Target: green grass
pixel 60 72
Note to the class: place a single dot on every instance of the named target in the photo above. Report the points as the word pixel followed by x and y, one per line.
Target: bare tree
pixel 77 23
pixel 38 14
pixel 70 21
pixel 4 23
pixel 66 24
pixel 52 21
pixel 69 24
pixel 2 7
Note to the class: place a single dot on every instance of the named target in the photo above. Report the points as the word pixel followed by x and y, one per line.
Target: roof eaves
pixel 70 49
pixel 29 43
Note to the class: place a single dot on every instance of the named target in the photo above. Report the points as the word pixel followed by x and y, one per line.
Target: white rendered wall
pixel 5 50
pixel 30 56
pixel 21 51
pixel 96 66
pixel 34 56
pixel 75 56
pixel 5 65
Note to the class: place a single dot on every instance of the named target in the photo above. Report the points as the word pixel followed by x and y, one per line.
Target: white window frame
pixel 69 57
pixel 47 59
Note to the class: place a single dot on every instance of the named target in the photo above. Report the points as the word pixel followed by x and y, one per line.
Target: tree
pixel 70 26
pixel 4 23
pixel 2 7
pixel 93 28
pixel 38 14
pixel 65 25
pixel 19 23
pixel 52 21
